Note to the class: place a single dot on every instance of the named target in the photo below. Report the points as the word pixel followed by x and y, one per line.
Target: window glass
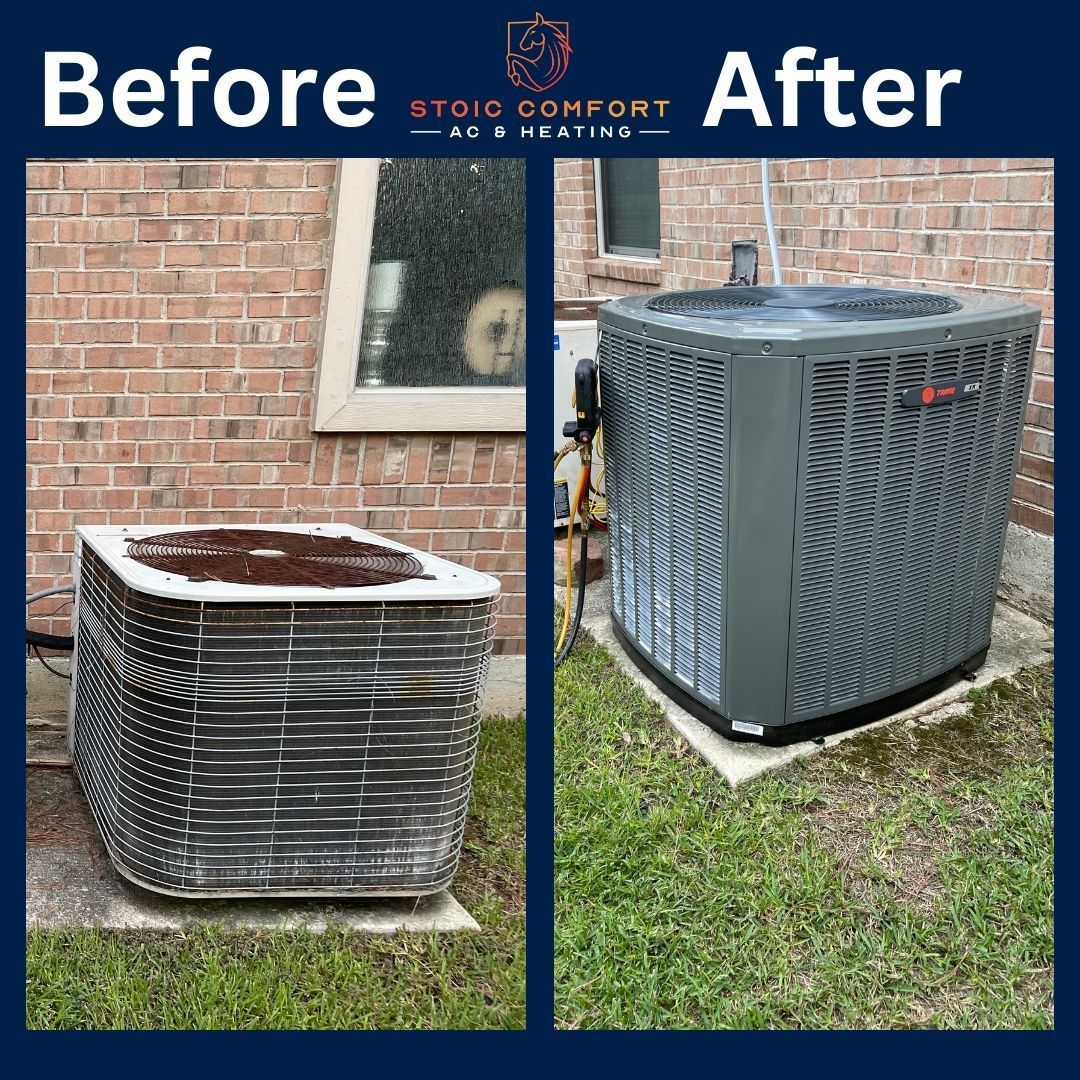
pixel 631 205
pixel 445 302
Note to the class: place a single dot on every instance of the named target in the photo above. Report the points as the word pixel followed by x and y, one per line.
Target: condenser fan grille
pixel 803 303
pixel 268 557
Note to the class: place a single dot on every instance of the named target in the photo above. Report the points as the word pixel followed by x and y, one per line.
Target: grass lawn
pixel 296 979
pixel 902 879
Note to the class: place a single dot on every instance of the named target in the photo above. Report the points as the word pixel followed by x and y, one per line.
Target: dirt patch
pixel 891 796
pixel 905 869
pixel 56 812
pixel 483 868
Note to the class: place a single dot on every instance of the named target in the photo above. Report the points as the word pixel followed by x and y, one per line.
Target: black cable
pixel 583 570
pixel 48 666
pixel 49 641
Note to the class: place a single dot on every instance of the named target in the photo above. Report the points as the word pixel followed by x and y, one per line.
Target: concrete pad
pixel 46 694
pixel 1018 641
pixel 1027 572
pixel 505 691
pixel 71 882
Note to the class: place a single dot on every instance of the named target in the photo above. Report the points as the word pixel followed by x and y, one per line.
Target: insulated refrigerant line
pixel 770 228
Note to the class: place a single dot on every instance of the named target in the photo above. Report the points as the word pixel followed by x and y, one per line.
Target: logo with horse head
pixel 537 52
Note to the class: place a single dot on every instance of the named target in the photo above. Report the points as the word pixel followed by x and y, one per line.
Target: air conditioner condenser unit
pixel 291 710
pixel 808 491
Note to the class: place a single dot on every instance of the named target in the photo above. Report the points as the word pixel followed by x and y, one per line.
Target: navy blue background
pixel 1016 98
pixel 418 51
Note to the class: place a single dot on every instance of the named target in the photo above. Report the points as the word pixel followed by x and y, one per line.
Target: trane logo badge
pixel 939 393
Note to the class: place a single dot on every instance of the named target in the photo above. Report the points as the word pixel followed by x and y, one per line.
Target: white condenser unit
pixel 288 710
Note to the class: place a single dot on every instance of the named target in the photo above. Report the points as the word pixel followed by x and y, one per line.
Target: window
pixel 628 206
pixel 425 312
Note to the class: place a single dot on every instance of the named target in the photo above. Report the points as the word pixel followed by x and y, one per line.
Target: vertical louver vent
pixel 664 412
pixel 900 518
pixel 287 748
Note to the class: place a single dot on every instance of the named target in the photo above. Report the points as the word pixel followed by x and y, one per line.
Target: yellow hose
pixel 569 448
pixel 583 479
pixel 583 505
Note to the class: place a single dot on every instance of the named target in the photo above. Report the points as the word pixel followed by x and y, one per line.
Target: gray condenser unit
pixel 808 490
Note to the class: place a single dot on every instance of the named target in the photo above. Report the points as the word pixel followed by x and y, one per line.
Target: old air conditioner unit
pixel 276 711
pixel 808 490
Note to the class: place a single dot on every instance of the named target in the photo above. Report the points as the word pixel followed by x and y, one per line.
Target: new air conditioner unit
pixel 808 491
pixel 276 711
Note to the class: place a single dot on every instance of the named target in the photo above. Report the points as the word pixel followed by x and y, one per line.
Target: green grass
pixel 901 879
pixel 291 979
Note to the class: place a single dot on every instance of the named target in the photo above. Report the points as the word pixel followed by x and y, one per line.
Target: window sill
pixel 642 271
pixel 447 408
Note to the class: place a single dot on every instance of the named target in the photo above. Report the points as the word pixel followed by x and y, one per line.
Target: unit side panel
pixel 900 517
pixel 665 442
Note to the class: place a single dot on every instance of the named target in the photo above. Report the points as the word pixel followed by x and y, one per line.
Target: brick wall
pixel 172 334
pixel 956 223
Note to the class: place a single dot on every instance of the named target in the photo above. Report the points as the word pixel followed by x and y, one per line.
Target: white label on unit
pixel 747 729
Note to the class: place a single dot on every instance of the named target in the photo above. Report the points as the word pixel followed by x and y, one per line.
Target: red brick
pixel 260 229
pixel 129 356
pixel 55 307
pixel 310 280
pixel 278 174
pixel 96 333
pixel 178 333
pixel 103 281
pixel 127 203
pixel 124 307
pixel 112 176
pixel 288 202
pixel 1032 517
pixel 207 202
pixel 40 231
pixel 1036 494
pixel 42 176
pixel 264 307
pixel 120 255
pixel 53 255
pixel 203 255
pixel 40 282
pixel 205 307
pixel 237 450
pixel 107 382
pixel 55 203
pixel 95 230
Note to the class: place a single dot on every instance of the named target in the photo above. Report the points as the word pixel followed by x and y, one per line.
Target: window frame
pixel 338 403
pixel 647 255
